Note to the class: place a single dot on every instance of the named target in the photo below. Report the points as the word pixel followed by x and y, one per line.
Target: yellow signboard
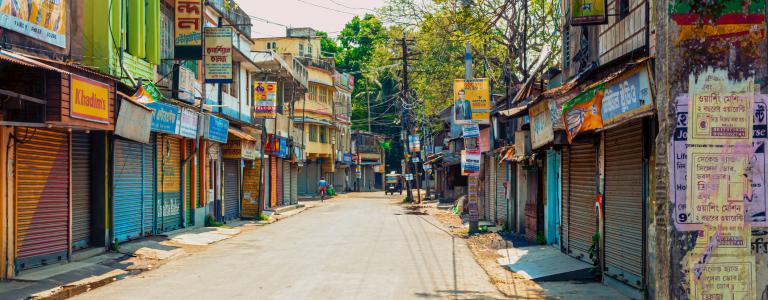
pixel 472 101
pixel 720 108
pixel 264 100
pixel 218 55
pixel 588 12
pixel 89 100
pixel 188 36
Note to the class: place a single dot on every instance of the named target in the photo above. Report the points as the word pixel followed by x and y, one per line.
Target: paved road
pixel 359 247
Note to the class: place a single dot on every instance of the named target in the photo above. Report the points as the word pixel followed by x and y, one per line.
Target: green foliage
pixel 407 199
pixel 594 254
pixel 540 239
pixel 263 218
pixel 211 222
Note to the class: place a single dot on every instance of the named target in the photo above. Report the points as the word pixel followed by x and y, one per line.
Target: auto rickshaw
pixel 394 184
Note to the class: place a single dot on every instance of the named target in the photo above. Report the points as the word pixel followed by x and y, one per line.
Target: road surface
pixel 360 246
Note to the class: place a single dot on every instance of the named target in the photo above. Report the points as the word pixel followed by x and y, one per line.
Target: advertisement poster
pixel 678 161
pixel 473 197
pixel 188 33
pixel 627 96
pixel 470 161
pixel 541 125
pixel 414 144
pixel 43 20
pixel 720 109
pixel 470 131
pixel 218 55
pixel 472 101
pixel 583 112
pixel 588 12
pixel 89 100
pixel 188 127
pixel 265 100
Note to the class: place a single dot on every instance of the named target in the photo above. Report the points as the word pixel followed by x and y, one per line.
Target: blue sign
pixel 347 158
pixel 283 148
pixel 165 117
pixel 471 131
pixel 217 129
pixel 627 96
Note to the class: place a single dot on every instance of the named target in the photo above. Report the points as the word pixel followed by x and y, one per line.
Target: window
pixel 309 50
pixel 323 135
pixel 301 50
pixel 269 45
pixel 312 133
pixel 323 96
pixel 566 44
pixel 313 92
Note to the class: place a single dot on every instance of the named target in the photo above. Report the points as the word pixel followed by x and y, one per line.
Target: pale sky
pixel 324 15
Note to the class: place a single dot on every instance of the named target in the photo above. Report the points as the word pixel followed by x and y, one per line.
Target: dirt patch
pixel 484 248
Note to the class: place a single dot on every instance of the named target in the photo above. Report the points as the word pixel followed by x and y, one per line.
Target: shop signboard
pixel 627 96
pixel 216 129
pixel 347 158
pixel 583 112
pixel 165 117
pixel 189 87
pixel 472 103
pixel 470 161
pixel 188 33
pixel 89 100
pixel 237 149
pixel 134 121
pixel 42 20
pixel 358 172
pixel 414 144
pixel 265 100
pixel 218 55
pixel 588 12
pixel 409 177
pixel 471 131
pixel 189 120
pixel 541 125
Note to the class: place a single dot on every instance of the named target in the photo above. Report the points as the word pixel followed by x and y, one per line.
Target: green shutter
pixel 135 19
pixel 153 32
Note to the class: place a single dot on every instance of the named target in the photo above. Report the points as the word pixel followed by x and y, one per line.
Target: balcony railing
pixel 317 63
pixel 367 149
pixel 233 14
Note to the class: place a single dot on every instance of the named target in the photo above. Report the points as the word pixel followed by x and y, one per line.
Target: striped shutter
pixel 502 212
pixel 231 189
pixel 294 184
pixel 565 212
pixel 190 186
pixel 287 182
pixel 168 183
pixel 624 203
pixel 251 181
pixel 583 168
pixel 492 190
pixel 133 190
pixel 81 190
pixel 42 196
pixel 273 175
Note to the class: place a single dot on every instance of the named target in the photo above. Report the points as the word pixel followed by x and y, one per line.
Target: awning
pixel 133 100
pixel 434 159
pixel 514 111
pixel 23 60
pixel 241 135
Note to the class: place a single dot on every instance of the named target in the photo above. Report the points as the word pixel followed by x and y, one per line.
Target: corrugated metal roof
pixel 17 58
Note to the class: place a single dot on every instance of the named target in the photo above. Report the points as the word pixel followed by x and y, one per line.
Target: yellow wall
pixel 289 45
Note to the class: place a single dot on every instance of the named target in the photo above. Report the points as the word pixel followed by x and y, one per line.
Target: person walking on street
pixel 323 186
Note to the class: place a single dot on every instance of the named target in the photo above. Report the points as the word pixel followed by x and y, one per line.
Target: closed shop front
pixel 231 189
pixel 168 210
pixel 502 206
pixel 286 165
pixel 624 202
pixel 42 196
pixel 81 190
pixel 294 184
pixel 309 176
pixel 582 194
pixel 565 204
pixel 274 174
pixel 134 188
pixel 251 186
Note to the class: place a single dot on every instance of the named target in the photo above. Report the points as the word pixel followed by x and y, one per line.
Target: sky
pixel 270 17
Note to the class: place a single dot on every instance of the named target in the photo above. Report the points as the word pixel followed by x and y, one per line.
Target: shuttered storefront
pixel 486 184
pixel 190 185
pixel 565 167
pixel 286 200
pixel 133 191
pixel 251 181
pixel 583 221
pixel 624 203
pixel 81 190
pixel 273 177
pixel 502 212
pixel 168 183
pixel 491 170
pixel 42 196
pixel 231 189
pixel 294 184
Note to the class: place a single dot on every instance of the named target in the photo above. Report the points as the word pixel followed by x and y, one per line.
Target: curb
pixel 78 287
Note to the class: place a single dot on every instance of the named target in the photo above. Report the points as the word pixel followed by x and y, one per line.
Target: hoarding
pixel 472 103
pixel 89 100
pixel 627 96
pixel 43 20
pixel 470 161
pixel 188 33
pixel 265 100
pixel 218 55
pixel 583 112
pixel 588 12
pixel 470 131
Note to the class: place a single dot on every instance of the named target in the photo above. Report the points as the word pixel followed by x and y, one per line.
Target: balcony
pixel 233 14
pixel 322 64
pixel 367 149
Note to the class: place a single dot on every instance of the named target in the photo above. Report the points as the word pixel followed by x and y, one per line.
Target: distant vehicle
pixel 394 183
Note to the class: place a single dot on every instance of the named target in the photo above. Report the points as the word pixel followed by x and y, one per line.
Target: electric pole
pixel 405 112
pixel 473 205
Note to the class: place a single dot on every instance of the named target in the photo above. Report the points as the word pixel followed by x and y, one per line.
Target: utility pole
pixel 405 113
pixel 368 99
pixel 473 222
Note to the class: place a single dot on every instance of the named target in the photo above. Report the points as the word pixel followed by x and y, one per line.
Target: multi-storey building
pixel 314 113
pixel 342 110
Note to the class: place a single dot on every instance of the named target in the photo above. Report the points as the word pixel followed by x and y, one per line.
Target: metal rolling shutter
pixel 133 192
pixel 251 181
pixel 273 175
pixel 231 189
pixel 565 213
pixel 81 190
pixel 486 190
pixel 169 183
pixel 287 182
pixel 42 196
pixel 492 190
pixel 583 168
pixel 294 184
pixel 501 200
pixel 624 203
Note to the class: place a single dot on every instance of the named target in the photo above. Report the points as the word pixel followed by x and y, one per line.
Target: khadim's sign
pixel 89 100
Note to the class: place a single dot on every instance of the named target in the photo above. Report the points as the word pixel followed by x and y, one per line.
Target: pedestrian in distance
pixel 323 186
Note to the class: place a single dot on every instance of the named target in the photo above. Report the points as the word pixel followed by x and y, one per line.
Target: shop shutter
pixel 286 182
pixel 273 176
pixel 492 190
pixel 168 183
pixel 190 187
pixel 81 190
pixel 133 192
pixel 231 189
pixel 565 184
pixel 294 184
pixel 502 212
pixel 486 189
pixel 583 193
pixel 42 196
pixel 251 176
pixel 624 203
